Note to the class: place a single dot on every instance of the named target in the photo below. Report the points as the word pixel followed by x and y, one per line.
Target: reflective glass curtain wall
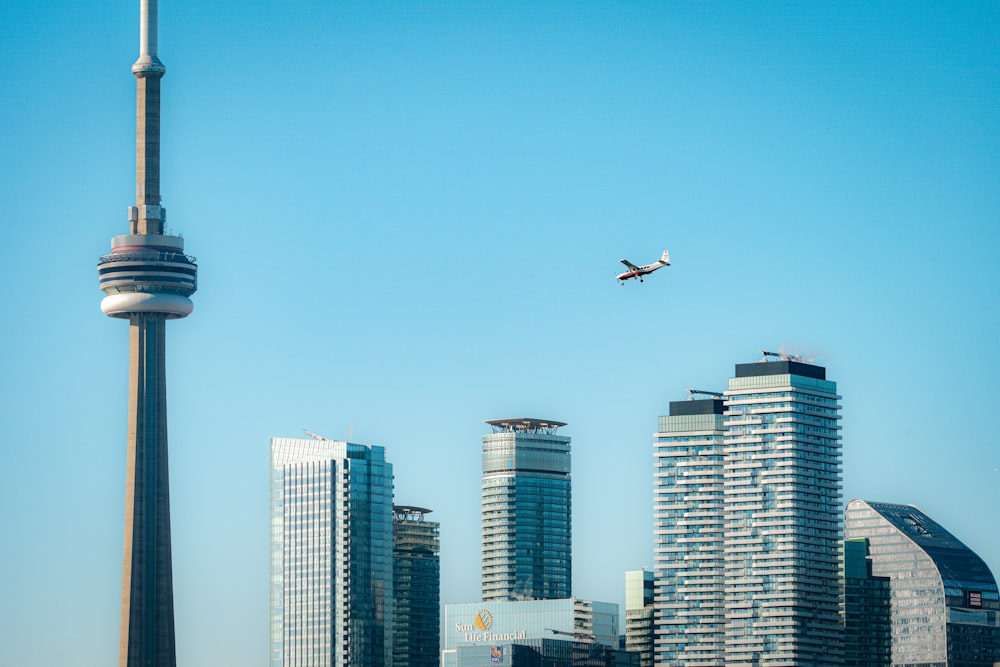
pixel 416 589
pixel 945 605
pixel 331 554
pixel 867 623
pixel 526 512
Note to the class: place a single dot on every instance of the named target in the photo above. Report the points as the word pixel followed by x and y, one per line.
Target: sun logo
pixel 483 620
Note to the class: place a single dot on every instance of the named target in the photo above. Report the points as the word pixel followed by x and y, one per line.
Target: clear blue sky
pixel 408 218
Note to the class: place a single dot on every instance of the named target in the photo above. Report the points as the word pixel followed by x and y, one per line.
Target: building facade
pixel 331 554
pixel 544 653
pixel 945 605
pixel 416 589
pixel 867 622
pixel 526 511
pixel 689 586
pixel 782 511
pixel 639 615
pixel 498 628
pixel 747 512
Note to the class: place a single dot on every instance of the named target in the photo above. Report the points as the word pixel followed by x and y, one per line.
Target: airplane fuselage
pixel 634 274
pixel 640 271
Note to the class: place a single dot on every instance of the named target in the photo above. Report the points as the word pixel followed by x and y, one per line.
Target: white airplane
pixel 640 271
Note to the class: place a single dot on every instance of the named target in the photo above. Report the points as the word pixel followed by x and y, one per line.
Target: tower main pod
pixel 147 279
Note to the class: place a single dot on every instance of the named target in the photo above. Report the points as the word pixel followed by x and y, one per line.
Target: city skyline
pixel 410 219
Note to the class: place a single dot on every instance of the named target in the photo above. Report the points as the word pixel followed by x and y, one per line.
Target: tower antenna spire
pixel 147 216
pixel 147 279
pixel 147 29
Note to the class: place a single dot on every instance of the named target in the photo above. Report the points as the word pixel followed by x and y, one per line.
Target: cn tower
pixel 147 280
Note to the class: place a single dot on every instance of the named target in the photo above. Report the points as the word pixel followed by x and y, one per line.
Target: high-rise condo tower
pixel 748 535
pixel 527 541
pixel 689 613
pixel 782 516
pixel 147 280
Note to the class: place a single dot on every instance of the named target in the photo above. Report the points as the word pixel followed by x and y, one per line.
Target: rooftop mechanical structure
pixel 147 279
pixel 525 425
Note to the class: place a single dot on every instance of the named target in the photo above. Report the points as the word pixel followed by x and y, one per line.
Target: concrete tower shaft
pixel 147 279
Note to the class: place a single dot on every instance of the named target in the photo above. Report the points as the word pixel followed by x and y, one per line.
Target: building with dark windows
pixel 416 588
pixel 945 605
pixel 867 621
pixel 545 653
pixel 639 615
pixel 526 511
pixel 331 554
pixel 747 531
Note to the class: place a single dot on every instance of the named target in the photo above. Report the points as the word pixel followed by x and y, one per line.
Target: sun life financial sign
pixel 480 630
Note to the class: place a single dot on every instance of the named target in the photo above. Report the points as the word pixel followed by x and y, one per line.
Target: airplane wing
pixel 630 265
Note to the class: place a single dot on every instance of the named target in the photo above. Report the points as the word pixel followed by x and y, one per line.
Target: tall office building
pixel 147 279
pixel 416 589
pixel 945 605
pixel 639 615
pixel 747 512
pixel 526 511
pixel 867 625
pixel 689 587
pixel 782 511
pixel 331 554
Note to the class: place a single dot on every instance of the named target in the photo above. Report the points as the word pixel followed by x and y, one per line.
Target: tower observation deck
pixel 147 279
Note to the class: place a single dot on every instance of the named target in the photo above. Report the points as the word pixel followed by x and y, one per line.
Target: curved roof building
pixel 945 601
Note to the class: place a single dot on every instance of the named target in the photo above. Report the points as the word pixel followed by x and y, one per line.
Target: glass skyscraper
pixel 688 598
pixel 867 624
pixel 526 511
pixel 331 554
pixel 747 523
pixel 416 589
pixel 945 605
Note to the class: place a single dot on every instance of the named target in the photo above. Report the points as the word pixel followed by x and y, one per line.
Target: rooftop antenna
pixel 782 356
pixel 702 392
pixel 147 216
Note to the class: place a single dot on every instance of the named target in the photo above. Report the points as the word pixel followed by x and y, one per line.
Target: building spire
pixel 147 216
pixel 147 31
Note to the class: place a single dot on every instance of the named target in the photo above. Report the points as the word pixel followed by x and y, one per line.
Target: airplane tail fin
pixel 666 257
